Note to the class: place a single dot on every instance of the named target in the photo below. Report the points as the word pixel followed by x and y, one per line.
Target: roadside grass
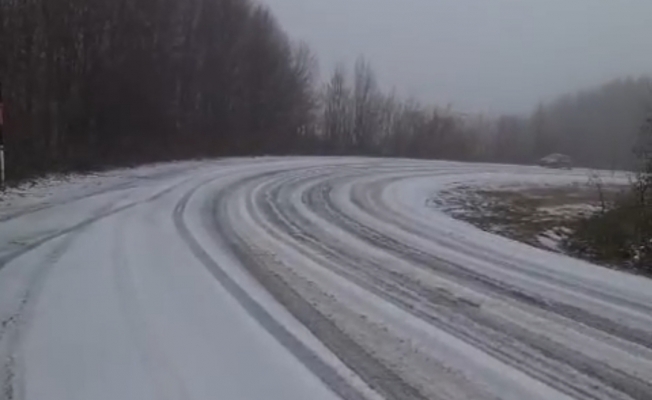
pixel 544 217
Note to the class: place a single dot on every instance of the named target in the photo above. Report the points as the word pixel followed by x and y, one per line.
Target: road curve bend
pixel 306 278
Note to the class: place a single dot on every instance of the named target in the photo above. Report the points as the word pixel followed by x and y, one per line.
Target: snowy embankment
pixel 303 278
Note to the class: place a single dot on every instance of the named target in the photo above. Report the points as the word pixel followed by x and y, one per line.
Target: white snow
pixel 550 239
pixel 103 297
pixel 60 188
pixel 127 312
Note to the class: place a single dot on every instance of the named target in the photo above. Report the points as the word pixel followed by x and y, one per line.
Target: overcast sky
pixel 478 55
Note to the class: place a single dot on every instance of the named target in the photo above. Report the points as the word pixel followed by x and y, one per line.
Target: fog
pixel 493 56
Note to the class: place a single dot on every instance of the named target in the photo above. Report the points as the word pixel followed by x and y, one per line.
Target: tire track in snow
pixel 336 216
pixel 636 388
pixel 14 328
pixel 117 187
pixel 410 297
pixel 602 379
pixel 376 207
pixel 322 370
pixel 372 371
pixel 166 381
pixel 104 213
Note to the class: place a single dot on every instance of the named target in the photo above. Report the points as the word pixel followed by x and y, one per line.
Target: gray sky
pixel 479 55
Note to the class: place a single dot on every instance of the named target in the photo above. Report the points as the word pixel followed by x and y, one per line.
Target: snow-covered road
pixel 303 278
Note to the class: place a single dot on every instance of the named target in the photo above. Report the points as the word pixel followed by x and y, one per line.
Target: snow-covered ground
pixel 302 278
pixel 61 188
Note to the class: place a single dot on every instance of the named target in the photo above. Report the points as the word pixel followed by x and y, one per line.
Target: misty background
pixel 492 56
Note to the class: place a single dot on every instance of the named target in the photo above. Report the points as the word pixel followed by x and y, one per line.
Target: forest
pixel 90 83
pixel 597 127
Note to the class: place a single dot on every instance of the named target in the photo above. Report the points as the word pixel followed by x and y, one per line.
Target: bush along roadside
pixel 621 234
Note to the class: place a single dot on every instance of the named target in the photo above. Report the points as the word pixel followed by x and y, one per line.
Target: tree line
pixel 89 83
pixel 94 82
pixel 598 127
pixel 358 118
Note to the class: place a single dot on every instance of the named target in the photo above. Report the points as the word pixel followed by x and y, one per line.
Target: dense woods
pixel 89 83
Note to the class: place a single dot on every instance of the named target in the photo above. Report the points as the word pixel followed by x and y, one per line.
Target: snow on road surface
pixel 303 278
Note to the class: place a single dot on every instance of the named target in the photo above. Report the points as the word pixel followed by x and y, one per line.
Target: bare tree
pixel 338 113
pixel 365 107
pixel 595 181
pixel 643 179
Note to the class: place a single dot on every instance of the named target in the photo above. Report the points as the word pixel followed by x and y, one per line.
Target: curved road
pixel 305 278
